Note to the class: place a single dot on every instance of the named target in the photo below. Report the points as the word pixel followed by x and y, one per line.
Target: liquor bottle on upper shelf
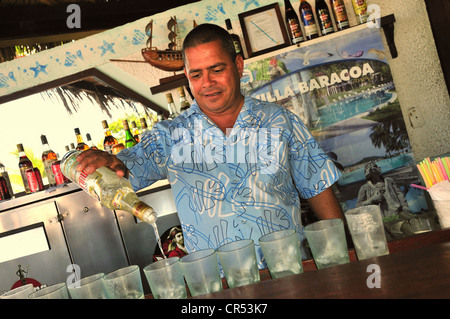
pixel 90 143
pixel 309 23
pixel 109 140
pixel 135 131
pixel 129 139
pixel 172 108
pixel 360 8
pixel 24 164
pixel 80 144
pixel 4 191
pixel 48 158
pixel 184 103
pixel 324 18
pixel 144 127
pixel 106 186
pixel 293 23
pixel 235 37
pixel 5 175
pixel 340 14
pixel 72 146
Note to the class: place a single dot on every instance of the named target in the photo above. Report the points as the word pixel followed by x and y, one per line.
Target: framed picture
pixel 263 30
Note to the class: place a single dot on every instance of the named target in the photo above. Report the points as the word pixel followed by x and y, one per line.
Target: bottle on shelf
pixel 109 140
pixel 340 14
pixel 235 37
pixel 360 8
pixel 144 127
pixel 67 148
pixel 90 143
pixel 4 191
pixel 4 174
pixel 72 146
pixel 293 23
pixel 184 103
pixel 129 139
pixel 172 108
pixel 160 116
pixel 324 17
pixel 309 23
pixel 34 179
pixel 48 158
pixel 24 164
pixel 80 144
pixel 106 186
pixel 135 131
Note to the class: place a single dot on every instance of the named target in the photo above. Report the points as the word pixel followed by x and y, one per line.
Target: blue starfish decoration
pixel 38 69
pixel 106 47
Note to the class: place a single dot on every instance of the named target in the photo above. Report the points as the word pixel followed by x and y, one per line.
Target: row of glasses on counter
pixel 200 270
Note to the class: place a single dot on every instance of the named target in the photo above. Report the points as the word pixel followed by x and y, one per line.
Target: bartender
pixel 238 167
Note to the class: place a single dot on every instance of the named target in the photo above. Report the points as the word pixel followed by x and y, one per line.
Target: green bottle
pixel 129 139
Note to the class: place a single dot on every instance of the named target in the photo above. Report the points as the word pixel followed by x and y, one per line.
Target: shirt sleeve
pixel 312 169
pixel 146 160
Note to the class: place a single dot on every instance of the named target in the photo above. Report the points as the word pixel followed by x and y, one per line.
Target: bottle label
pixel 325 21
pixel 117 199
pixel 237 47
pixel 360 9
pixel 308 22
pixel 296 31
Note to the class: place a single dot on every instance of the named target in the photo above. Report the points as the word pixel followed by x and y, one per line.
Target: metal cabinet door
pixel 93 236
pixel 48 266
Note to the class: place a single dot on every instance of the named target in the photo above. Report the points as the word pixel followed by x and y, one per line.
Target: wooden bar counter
pixel 417 267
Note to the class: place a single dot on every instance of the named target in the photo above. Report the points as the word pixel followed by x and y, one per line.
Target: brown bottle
pixel 235 37
pixel 293 24
pixel 48 157
pixel 109 140
pixel 80 144
pixel 324 18
pixel 340 14
pixel 24 164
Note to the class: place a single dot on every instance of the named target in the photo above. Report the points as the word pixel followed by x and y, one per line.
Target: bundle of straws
pixel 434 171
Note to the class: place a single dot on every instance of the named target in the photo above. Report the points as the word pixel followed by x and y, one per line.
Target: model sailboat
pixel 170 59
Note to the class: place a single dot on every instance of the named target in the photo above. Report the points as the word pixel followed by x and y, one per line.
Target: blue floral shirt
pixel 239 185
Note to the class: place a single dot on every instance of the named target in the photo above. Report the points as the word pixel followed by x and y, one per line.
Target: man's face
pixel 214 78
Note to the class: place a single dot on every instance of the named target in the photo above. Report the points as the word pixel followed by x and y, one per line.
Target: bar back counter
pixel 52 234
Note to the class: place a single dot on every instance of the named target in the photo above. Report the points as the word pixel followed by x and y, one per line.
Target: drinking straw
pixel 424 176
pixel 419 186
pixel 441 169
pixel 446 163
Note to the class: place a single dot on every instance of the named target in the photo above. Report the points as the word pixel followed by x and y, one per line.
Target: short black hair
pixel 207 32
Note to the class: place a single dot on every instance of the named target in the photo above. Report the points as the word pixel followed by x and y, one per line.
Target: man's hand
pixel 90 160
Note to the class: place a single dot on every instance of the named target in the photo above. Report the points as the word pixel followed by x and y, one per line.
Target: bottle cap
pixel 228 24
pixel 143 122
pixel 43 139
pixel 88 136
pixel 169 98
pixel 125 125
pixel 77 131
pixel 20 147
pixel 105 124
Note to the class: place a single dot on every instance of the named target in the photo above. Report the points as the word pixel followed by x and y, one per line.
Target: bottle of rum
pixel 172 108
pixel 135 131
pixel 80 144
pixel 129 139
pixel 144 127
pixel 324 17
pixel 4 174
pixel 235 37
pixel 4 191
pixel 184 103
pixel 109 140
pixel 307 17
pixel 293 23
pixel 106 186
pixel 48 158
pixel 340 14
pixel 360 8
pixel 24 164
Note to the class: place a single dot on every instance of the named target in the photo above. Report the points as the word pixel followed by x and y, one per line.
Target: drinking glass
pixel 165 278
pixel 124 283
pixel 21 292
pixel 92 287
pixel 57 291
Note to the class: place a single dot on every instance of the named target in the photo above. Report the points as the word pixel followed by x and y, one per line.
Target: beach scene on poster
pixel 343 90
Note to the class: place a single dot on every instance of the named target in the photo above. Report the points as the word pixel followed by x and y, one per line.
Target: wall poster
pixel 342 89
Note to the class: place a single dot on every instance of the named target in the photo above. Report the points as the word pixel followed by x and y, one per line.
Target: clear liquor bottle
pixel 172 108
pixel 107 187
pixel 184 103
